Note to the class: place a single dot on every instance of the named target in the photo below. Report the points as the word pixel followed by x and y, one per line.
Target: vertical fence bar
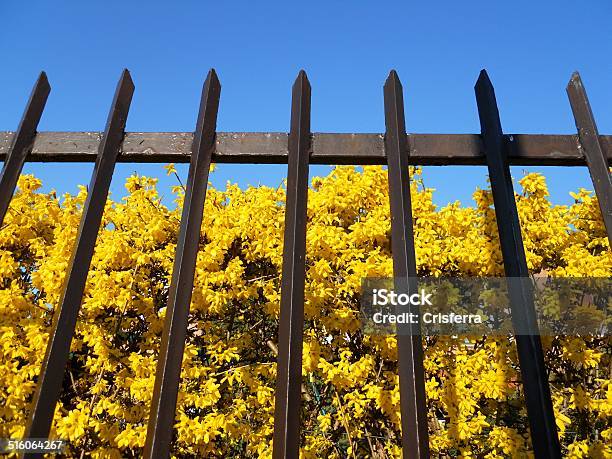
pixel 415 437
pixel 167 375
pixel 23 140
pixel 291 322
pixel 588 137
pixel 64 321
pixel 529 347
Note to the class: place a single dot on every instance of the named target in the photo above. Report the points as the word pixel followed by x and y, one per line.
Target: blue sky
pixel 530 49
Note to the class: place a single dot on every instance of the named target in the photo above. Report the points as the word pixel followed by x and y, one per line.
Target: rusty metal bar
pixel 22 142
pixel 529 347
pixel 64 320
pixel 415 438
pixel 167 375
pixel 592 148
pixel 286 442
pixel 327 148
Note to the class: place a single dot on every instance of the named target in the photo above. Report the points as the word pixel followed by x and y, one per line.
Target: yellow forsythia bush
pixel 350 396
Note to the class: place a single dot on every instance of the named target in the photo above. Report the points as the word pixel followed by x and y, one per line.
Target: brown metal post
pixel 589 142
pixel 415 437
pixel 291 322
pixel 529 347
pixel 64 321
pixel 167 375
pixel 23 140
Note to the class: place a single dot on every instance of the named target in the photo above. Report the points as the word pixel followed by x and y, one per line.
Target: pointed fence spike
pixel 529 347
pixel 22 142
pixel 64 320
pixel 413 404
pixel 590 143
pixel 167 376
pixel 286 440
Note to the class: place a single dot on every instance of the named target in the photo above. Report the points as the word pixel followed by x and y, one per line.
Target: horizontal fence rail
pixel 299 148
pixel 327 148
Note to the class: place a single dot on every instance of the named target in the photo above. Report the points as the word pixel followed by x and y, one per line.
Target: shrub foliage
pixel 350 397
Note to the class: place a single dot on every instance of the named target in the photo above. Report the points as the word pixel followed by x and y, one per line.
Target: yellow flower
pixel 170 169
pixel 350 387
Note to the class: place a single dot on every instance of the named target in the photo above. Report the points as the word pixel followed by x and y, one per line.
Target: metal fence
pixel 298 149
